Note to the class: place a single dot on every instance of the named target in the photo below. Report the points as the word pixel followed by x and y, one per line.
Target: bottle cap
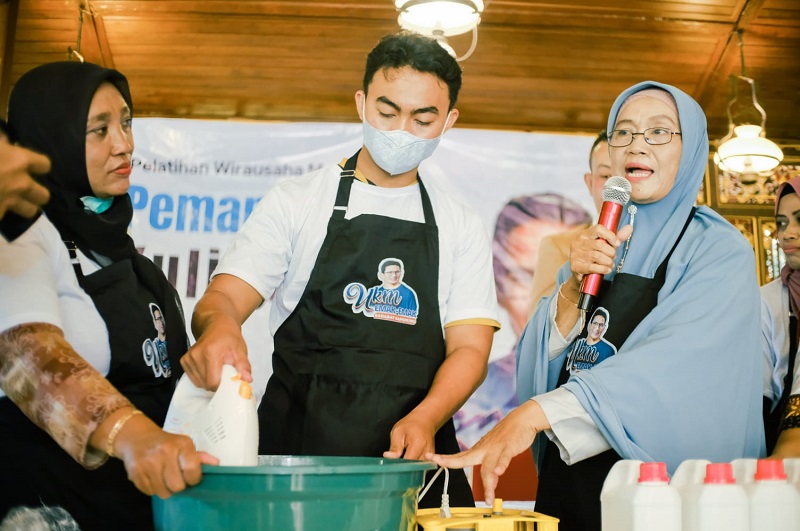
pixel 653 473
pixel 719 473
pixel 770 470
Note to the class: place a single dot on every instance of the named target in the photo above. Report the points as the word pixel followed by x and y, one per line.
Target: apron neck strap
pixel 347 176
pixel 72 249
pixel 661 272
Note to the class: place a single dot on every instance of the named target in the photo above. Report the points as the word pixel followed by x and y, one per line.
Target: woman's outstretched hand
pixel 510 437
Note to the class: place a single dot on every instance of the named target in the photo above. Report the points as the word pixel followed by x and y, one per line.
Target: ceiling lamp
pixel 745 149
pixel 441 19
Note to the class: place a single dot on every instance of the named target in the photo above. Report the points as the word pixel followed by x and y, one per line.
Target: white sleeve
pixel 769 354
pixel 471 290
pixel 38 285
pixel 556 342
pixel 27 281
pixel 261 251
pixel 571 428
pixel 775 341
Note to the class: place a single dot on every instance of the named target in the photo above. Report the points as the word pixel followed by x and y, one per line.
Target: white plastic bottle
pixel 792 468
pixel 688 480
pixel 744 470
pixel 637 496
pixel 716 504
pixel 774 502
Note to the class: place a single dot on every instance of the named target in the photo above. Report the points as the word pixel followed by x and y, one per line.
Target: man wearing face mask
pixel 352 373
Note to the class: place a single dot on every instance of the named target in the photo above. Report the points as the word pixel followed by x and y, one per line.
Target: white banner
pixel 195 182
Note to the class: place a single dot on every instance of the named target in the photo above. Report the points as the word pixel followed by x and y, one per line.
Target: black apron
pixel 572 492
pixel 351 360
pixel 773 417
pixel 44 473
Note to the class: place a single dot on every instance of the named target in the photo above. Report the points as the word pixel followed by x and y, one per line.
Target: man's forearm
pixel 213 305
pixel 459 376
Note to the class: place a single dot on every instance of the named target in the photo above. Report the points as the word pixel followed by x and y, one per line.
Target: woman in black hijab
pixel 79 115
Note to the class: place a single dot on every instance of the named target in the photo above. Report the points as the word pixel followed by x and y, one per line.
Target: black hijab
pixel 47 112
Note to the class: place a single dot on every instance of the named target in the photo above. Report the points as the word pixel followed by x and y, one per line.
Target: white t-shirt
pixel 775 329
pixel 276 248
pixel 38 285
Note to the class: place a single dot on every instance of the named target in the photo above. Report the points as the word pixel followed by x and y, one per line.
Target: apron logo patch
pixel 392 300
pixel 154 350
pixel 592 348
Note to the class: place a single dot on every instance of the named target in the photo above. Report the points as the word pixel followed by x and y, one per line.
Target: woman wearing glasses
pixel 673 273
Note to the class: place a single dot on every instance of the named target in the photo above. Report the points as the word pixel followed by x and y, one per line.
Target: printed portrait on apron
pixel 155 350
pixel 392 300
pixel 591 348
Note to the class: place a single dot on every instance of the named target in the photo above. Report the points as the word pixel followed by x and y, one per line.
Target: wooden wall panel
pixel 538 66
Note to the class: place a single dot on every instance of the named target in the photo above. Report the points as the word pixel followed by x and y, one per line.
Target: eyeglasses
pixel 655 136
pixel 598 325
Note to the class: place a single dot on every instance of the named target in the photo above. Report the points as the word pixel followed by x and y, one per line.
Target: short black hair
pixel 601 312
pixel 423 54
pixel 390 262
pixel 602 136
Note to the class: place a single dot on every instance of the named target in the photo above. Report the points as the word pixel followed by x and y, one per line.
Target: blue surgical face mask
pixel 398 151
pixel 96 204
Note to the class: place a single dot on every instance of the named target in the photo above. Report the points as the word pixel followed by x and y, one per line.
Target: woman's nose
pixel 122 141
pixel 639 145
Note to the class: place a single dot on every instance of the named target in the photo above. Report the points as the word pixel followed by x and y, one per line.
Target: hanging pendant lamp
pixel 441 19
pixel 746 149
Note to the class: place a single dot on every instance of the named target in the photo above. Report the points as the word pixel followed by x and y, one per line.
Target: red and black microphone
pixel 616 192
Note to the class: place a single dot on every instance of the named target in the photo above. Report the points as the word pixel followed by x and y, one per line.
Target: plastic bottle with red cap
pixel 792 468
pixel 774 502
pixel 744 469
pixel 722 503
pixel 712 501
pixel 637 496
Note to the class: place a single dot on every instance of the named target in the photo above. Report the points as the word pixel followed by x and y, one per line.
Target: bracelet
pixel 112 435
pixel 564 296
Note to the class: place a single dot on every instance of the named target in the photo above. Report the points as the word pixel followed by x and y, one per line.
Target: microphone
pixel 616 192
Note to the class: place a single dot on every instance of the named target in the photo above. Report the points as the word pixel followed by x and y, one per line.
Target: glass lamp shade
pixel 450 17
pixel 748 151
pixel 719 163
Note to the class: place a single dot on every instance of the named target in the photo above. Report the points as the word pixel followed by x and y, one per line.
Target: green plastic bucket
pixel 299 493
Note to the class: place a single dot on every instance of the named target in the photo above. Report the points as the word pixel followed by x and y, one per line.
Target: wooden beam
pixel 94 38
pixel 749 13
pixel 726 54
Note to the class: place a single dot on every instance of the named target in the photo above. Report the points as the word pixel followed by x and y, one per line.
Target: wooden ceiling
pixel 538 66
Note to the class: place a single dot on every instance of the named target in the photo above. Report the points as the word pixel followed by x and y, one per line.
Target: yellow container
pixel 485 519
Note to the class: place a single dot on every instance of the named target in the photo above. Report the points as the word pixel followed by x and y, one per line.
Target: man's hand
pixel 411 438
pixel 217 325
pixel 221 344
pixel 19 192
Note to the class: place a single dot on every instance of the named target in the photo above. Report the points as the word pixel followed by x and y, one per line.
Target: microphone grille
pixel 617 190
